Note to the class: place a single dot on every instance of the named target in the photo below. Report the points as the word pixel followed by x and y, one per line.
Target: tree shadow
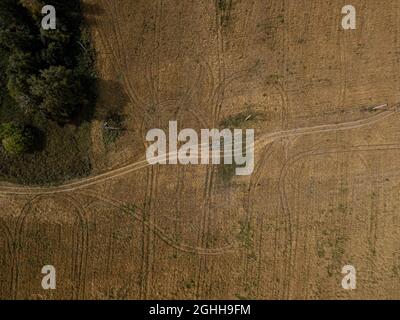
pixel 107 99
pixel 111 100
pixel 92 9
pixel 40 139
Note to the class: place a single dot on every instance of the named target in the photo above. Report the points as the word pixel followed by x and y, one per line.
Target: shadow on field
pixel 111 99
pixel 91 11
pixel 92 8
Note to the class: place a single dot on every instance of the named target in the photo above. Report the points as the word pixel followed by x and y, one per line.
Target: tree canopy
pixel 58 92
pixel 44 72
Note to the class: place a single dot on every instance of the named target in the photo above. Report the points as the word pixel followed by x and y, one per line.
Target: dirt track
pixel 263 141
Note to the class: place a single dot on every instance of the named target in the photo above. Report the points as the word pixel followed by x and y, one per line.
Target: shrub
pixel 112 129
pixel 16 139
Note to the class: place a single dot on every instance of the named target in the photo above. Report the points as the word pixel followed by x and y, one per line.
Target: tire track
pixel 203 230
pixel 343 73
pixel 288 223
pixel 246 30
pixel 11 249
pixel 221 61
pixel 117 57
pixel 288 228
pixel 286 49
pixel 159 232
pixel 135 100
pixel 189 96
pixel 177 227
pixel 288 235
pixel 256 177
pixel 152 181
pixel 204 224
pixel 79 266
pixel 289 267
pixel 146 233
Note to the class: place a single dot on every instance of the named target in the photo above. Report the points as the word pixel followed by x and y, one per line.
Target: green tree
pixel 16 139
pixel 21 66
pixel 16 27
pixel 59 93
pixel 34 7
pixel 53 54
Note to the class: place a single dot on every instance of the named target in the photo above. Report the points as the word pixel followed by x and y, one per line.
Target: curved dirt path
pixel 262 141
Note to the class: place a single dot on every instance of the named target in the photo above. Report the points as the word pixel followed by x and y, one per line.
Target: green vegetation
pixel 47 93
pixel 50 85
pixel 130 209
pixel 245 235
pixel 112 129
pixel 16 139
pixel 227 172
pixel 222 5
pixel 274 78
pixel 239 120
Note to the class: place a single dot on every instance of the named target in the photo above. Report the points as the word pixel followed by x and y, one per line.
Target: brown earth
pixel 324 192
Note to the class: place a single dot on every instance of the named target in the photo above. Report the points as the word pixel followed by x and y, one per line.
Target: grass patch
pixel 239 120
pixel 226 172
pixel 245 235
pixel 113 128
pixel 222 5
pixel 274 78
pixel 63 158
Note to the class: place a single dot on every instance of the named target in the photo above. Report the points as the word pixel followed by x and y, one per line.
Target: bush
pixel 112 129
pixel 16 139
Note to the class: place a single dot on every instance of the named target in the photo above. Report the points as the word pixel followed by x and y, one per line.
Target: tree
pixel 21 66
pixel 59 93
pixel 53 54
pixel 16 27
pixel 8 13
pixel 61 34
pixel 16 139
pixel 34 7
